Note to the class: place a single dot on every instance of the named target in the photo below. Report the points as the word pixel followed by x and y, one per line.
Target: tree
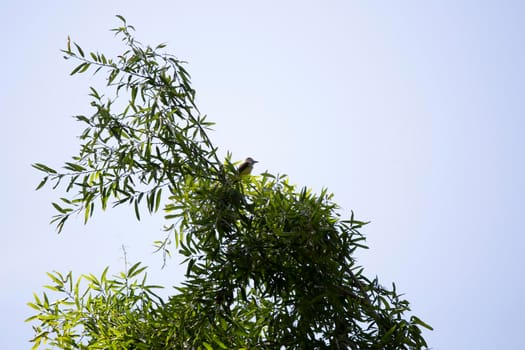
pixel 269 265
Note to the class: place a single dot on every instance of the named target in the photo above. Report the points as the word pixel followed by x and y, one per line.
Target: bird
pixel 246 167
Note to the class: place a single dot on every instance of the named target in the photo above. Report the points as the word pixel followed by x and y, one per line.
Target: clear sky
pixel 411 112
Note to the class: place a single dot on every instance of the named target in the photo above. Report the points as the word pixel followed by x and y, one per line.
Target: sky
pixel 410 112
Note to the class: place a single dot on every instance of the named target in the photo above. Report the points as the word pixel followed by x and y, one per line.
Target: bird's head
pixel 250 160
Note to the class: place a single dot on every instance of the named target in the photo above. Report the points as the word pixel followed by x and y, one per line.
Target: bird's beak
pixel 255 161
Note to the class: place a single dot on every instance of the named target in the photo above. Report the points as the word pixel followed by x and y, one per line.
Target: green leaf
pixel 55 279
pixel 87 212
pixel 104 274
pixel 60 224
pixel 121 18
pixel 220 343
pixel 43 168
pixel 134 90
pixel 79 49
pixel 386 336
pixel 158 199
pixel 133 268
pixel 84 68
pixel 80 68
pixel 59 208
pixel 418 321
pixel 83 118
pixel 42 183
pixel 136 270
pixel 53 288
pixel 114 73
pixel 137 211
pixel 37 299
pixel 94 93
pixel 74 167
pixel 33 306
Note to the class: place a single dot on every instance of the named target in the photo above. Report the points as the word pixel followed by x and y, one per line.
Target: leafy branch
pixel 156 141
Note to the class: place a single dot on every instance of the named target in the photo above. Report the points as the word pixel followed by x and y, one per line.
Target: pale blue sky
pixel 411 112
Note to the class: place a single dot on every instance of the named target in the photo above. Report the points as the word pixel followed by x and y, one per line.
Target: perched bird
pixel 246 167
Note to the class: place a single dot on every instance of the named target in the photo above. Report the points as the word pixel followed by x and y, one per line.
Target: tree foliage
pixel 269 265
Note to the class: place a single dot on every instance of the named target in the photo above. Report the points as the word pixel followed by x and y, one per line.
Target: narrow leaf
pixel 59 208
pixel 418 321
pixel 157 199
pixel 137 213
pixel 79 50
pixel 44 168
pixel 78 68
pixel 42 183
